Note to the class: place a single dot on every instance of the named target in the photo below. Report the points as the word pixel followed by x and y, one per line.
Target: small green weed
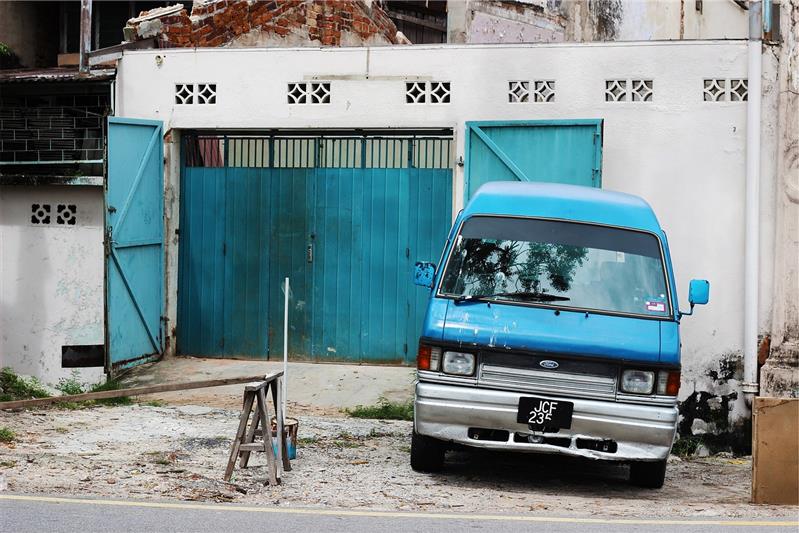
pixel 13 387
pixel 111 384
pixel 7 435
pixel 8 464
pixel 347 444
pixel 72 406
pixel 307 441
pixel 74 387
pixel 61 429
pixel 384 410
pixel 154 403
pixel 686 447
pixel 70 385
pixel 345 439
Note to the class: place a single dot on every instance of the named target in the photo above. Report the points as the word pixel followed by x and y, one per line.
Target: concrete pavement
pixel 21 514
pixel 312 387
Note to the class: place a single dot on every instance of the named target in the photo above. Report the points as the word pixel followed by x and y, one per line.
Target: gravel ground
pixel 180 452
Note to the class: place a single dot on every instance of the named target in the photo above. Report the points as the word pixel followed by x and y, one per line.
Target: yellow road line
pixel 397 514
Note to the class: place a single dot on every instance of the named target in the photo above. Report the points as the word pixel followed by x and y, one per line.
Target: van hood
pixel 523 328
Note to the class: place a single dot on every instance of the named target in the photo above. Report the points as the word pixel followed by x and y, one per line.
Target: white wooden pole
pixel 285 343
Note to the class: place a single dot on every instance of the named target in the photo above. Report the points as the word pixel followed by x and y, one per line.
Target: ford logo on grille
pixel 546 363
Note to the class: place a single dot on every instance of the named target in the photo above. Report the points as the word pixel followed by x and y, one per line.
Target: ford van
pixel 552 327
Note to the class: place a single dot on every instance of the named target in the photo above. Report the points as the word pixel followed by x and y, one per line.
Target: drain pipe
pixel 752 214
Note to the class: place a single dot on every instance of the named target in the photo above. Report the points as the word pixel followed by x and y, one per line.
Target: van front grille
pixel 548 382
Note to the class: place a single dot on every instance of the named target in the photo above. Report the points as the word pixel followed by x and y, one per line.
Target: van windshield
pixel 556 263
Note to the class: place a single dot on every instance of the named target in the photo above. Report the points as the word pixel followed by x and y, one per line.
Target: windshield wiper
pixel 475 297
pixel 538 296
pixel 529 296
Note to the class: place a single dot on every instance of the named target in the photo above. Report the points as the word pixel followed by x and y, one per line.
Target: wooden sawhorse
pixel 256 394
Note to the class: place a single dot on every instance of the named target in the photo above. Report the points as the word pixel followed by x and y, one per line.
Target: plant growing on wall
pixel 8 59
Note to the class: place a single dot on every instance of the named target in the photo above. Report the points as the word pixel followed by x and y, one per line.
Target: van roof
pixel 570 202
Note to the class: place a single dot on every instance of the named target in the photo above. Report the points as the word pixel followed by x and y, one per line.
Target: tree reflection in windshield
pixel 559 263
pixel 491 267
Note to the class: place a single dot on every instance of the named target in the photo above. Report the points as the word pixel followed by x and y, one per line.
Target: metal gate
pixel 344 216
pixel 135 258
pixel 557 151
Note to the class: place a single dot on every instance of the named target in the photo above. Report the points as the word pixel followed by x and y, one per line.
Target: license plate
pixel 539 413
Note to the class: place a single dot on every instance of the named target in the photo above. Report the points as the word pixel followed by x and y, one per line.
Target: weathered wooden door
pixel 135 235
pixel 557 151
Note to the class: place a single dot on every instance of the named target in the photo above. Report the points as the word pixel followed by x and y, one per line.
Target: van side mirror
pixel 423 273
pixel 698 294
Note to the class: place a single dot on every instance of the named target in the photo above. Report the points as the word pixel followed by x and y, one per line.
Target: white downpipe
pixel 285 343
pixel 752 214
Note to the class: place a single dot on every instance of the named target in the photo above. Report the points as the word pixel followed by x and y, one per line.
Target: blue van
pixel 552 327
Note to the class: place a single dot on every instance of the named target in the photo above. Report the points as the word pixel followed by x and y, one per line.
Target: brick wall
pixel 219 22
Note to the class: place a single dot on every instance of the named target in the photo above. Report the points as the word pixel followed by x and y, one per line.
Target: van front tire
pixel 648 474
pixel 427 454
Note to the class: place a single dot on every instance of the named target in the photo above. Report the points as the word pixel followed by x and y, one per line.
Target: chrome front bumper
pixel 641 432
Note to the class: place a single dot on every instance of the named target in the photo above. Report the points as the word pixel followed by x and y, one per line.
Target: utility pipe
pixel 752 213
pixel 85 34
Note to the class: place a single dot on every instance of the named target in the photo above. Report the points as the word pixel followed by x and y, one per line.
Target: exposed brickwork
pixel 219 22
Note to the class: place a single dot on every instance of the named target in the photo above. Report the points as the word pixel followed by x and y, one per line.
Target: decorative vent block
pixel 439 92
pixel 297 93
pixel 724 90
pixel 309 93
pixel 715 90
pixel 206 93
pixel 184 93
pixel 518 92
pixel 629 90
pixel 65 214
pixel 641 90
pixel 739 90
pixel 544 91
pixel 432 92
pixel 40 213
pixel 320 93
pixel 415 92
pixel 615 90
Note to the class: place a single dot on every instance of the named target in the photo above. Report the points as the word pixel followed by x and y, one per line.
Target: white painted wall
pixel 685 156
pixel 528 21
pixel 674 19
pixel 51 280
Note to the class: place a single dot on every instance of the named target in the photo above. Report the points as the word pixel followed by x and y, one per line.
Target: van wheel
pixel 427 454
pixel 648 474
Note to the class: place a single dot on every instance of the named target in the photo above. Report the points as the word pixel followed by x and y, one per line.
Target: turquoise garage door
pixel 558 151
pixel 344 217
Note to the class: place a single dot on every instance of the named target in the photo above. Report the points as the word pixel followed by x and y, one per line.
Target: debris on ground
pixel 180 452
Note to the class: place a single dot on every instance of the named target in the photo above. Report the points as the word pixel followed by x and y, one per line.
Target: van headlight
pixel 637 381
pixel 458 363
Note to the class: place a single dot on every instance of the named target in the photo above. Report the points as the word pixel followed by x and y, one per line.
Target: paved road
pixel 21 514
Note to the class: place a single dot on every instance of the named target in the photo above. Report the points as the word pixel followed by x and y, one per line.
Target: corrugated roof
pixel 55 74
